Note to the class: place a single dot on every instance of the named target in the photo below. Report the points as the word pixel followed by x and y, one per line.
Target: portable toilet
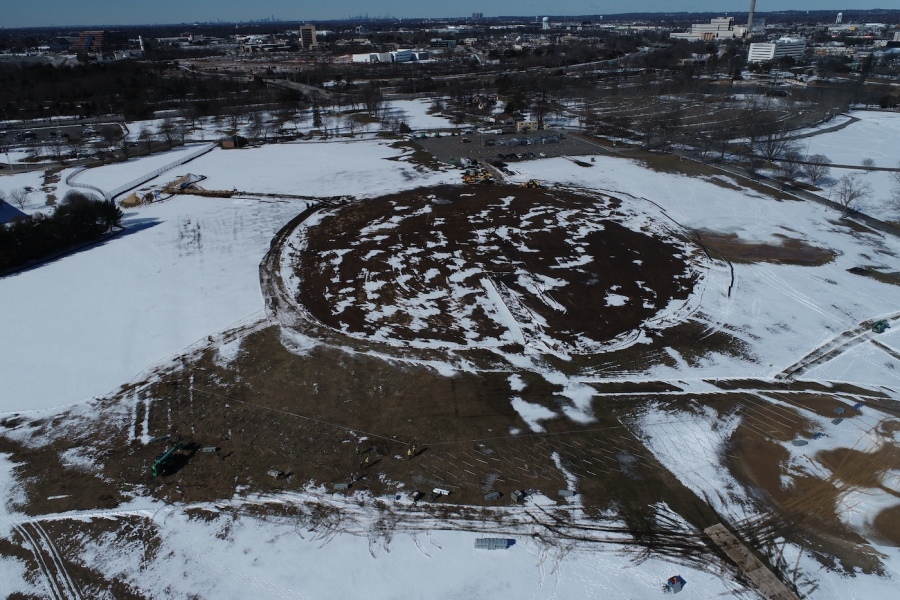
pixel 675 584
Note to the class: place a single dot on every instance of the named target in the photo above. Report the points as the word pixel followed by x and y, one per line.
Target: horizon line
pixel 460 18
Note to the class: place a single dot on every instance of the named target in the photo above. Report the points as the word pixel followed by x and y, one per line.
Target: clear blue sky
pixel 39 13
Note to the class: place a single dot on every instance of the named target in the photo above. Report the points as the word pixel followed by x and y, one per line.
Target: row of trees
pixel 79 218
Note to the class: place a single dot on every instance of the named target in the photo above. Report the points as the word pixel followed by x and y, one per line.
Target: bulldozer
pixel 531 183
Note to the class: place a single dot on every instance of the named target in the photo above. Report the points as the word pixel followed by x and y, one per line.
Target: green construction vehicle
pixel 164 460
pixel 880 326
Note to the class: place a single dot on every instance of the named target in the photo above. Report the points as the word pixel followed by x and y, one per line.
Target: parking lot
pixel 476 146
pixel 19 134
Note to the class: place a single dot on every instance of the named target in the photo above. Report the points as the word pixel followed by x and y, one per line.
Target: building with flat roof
pixel 307 35
pixel 720 28
pixel 769 51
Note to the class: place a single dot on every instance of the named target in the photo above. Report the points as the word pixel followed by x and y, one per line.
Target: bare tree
pixel 75 146
pixel 19 197
pixel 372 98
pixel 124 147
pixel 704 143
pixel 849 191
pixel 166 130
pixel 298 119
pixel 257 125
pixel 235 117
pixel 57 148
pixel 282 116
pixel 867 164
pixel 182 128
pixel 816 168
pixel 788 167
pixel 894 201
pixel 146 136
pixel 772 144
pixel 110 134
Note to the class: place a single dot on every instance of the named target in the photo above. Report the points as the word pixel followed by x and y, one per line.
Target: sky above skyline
pixel 45 13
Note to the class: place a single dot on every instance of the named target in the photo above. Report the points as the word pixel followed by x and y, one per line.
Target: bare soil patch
pixel 892 277
pixel 446 264
pixel 887 524
pixel 728 246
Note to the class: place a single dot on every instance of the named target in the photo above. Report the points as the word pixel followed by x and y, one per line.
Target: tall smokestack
pixel 750 17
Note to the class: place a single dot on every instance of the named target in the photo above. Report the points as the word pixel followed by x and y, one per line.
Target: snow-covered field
pixel 874 136
pixel 187 268
pixel 415 114
pixel 222 555
pixel 183 269
pixel 94 319
pixel 363 169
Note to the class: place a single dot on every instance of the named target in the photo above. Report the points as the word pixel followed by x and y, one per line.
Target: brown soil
pixel 306 415
pixel 728 246
pixel 887 526
pixel 807 507
pixel 455 221
pixel 892 277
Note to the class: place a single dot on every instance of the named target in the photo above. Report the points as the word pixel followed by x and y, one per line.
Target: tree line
pixel 78 219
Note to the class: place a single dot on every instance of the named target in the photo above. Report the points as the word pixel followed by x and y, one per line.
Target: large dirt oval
pixel 477 266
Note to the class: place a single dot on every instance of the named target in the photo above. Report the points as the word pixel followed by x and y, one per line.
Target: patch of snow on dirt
pixel 79 459
pixel 532 413
pixel 613 299
pixel 516 383
pixel 227 352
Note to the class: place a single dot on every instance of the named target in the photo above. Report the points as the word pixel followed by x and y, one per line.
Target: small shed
pixel 492 544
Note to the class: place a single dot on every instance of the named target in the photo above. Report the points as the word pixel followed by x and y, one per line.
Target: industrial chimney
pixel 750 18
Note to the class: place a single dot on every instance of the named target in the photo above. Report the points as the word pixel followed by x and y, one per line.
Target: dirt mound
pixel 489 267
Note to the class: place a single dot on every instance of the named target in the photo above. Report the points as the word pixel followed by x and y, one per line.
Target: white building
pixel 388 57
pixel 769 51
pixel 721 28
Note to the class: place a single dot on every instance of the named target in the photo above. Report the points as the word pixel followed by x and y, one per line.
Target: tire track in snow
pixel 58 583
pixel 788 290
pixel 53 551
pixel 835 347
pixel 419 546
pixel 50 581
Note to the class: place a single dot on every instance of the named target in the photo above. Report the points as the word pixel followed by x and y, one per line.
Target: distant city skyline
pixel 48 13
